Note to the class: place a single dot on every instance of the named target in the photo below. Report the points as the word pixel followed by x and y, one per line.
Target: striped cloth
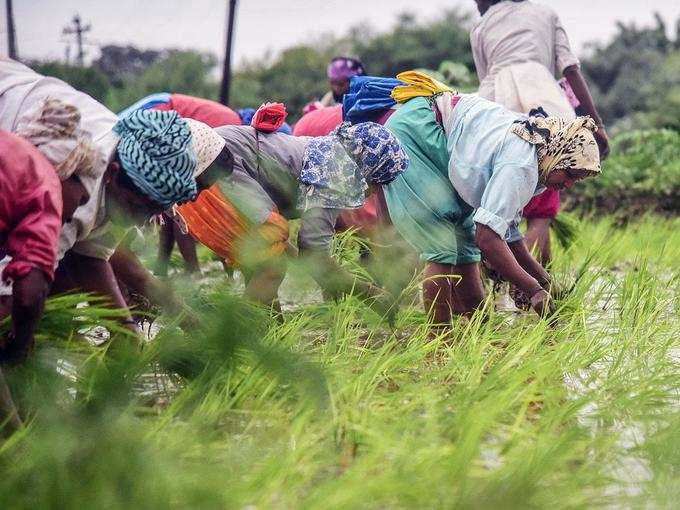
pixel 156 152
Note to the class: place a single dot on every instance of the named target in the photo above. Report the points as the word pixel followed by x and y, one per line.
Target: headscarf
pixel 53 128
pixel 368 97
pixel 156 153
pixel 343 68
pixel 417 85
pixel 269 117
pixel 336 169
pixel 248 117
pixel 207 144
pixel 560 145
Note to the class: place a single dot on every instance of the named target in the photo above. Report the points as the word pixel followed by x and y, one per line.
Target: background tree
pixel 88 79
pixel 184 72
pixel 623 72
pixel 122 63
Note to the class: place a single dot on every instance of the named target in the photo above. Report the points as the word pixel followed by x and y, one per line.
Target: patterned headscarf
pixel 156 152
pixel 336 169
pixel 560 145
pixel 53 128
pixel 207 144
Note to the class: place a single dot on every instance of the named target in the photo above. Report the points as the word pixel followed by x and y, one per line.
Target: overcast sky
pixel 270 25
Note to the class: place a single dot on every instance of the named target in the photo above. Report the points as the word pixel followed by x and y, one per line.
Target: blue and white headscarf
pixel 336 169
pixel 156 152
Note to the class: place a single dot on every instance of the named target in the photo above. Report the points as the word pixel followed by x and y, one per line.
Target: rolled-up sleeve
pixel 564 57
pixel 317 227
pixel 513 234
pixel 507 192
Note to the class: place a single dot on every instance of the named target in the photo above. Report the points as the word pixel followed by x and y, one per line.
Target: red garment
pixel 319 122
pixel 546 205
pixel 209 112
pixel 269 117
pixel 30 208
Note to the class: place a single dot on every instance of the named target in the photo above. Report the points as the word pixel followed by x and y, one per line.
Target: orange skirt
pixel 214 221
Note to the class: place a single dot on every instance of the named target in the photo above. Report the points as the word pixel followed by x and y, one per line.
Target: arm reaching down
pixel 129 270
pixel 532 266
pixel 580 87
pixel 314 240
pixel 503 260
pixel 97 276
pixel 28 300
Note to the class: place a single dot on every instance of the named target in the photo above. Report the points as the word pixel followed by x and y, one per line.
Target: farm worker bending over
pixel 519 47
pixel 373 213
pixel 210 113
pixel 474 166
pixel 278 177
pixel 147 164
pixel 32 206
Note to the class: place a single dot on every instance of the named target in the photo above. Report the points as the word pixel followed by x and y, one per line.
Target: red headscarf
pixel 269 117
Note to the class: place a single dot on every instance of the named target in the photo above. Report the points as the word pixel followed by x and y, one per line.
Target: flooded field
pixel 330 408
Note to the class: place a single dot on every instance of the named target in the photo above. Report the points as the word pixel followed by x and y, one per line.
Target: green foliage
pixel 123 63
pixel 641 175
pixel 295 77
pixel 183 72
pixel 88 79
pixel 634 77
pixel 412 45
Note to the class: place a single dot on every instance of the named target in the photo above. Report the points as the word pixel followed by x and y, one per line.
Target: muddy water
pixel 631 470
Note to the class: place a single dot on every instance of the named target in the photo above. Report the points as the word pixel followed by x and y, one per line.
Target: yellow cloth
pixel 561 145
pixel 417 85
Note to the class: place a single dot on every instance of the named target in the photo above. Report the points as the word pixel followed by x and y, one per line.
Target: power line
pixel 78 30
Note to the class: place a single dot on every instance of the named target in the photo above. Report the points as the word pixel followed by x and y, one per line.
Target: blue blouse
pixel 492 169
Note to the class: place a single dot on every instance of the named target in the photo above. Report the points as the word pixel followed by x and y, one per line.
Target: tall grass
pixel 332 409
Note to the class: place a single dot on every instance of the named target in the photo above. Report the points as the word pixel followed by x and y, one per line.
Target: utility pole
pixel 11 34
pixel 226 69
pixel 78 29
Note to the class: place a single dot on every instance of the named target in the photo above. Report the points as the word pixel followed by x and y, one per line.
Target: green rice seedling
pixel 565 228
pixel 505 411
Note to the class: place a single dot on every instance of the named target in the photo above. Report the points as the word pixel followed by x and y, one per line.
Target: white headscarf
pixel 207 144
pixel 53 128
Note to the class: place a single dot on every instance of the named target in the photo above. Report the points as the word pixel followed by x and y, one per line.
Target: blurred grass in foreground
pixel 329 409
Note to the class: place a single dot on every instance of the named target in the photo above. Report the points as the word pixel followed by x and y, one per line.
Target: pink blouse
pixel 30 208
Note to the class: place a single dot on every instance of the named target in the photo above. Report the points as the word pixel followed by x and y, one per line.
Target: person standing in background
pixel 340 72
pixel 518 48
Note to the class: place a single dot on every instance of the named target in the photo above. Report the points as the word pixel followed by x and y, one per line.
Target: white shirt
pixel 517 32
pixel 491 168
pixel 20 89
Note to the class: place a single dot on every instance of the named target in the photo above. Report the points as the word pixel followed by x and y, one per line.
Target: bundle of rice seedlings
pixel 565 228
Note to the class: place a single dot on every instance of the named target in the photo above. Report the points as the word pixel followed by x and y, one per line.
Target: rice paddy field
pixel 329 407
